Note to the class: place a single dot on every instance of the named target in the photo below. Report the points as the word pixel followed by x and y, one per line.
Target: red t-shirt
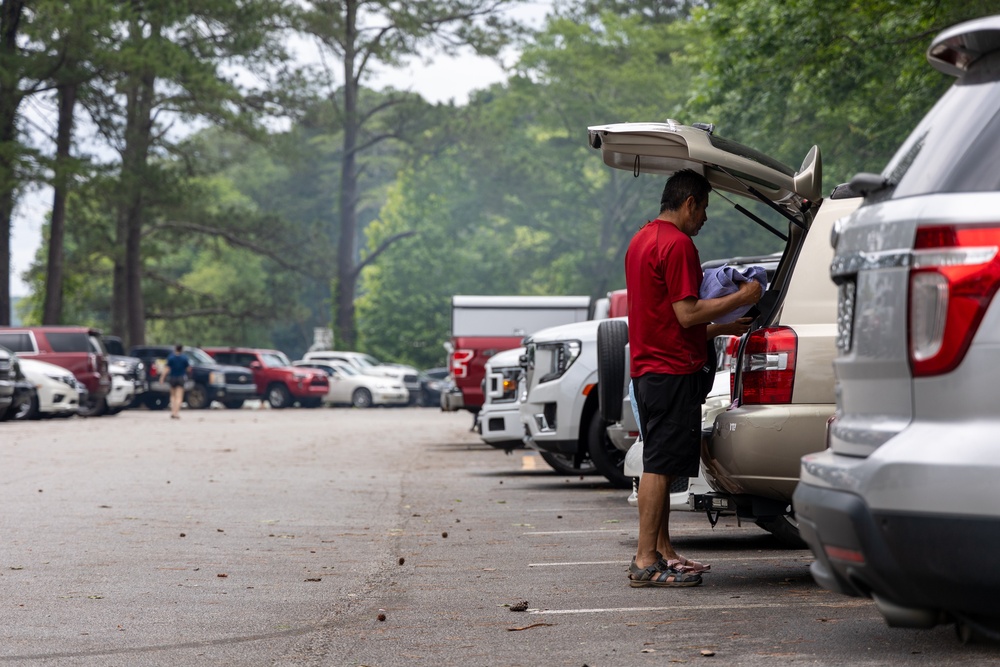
pixel 661 268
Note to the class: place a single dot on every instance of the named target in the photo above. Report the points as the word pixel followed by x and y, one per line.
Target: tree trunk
pixel 128 310
pixel 52 312
pixel 346 275
pixel 10 100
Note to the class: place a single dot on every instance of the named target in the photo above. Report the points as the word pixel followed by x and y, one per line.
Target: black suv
pixel 6 379
pixel 210 381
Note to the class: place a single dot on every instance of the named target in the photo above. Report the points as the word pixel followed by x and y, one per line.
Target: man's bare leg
pixel 663 538
pixel 653 498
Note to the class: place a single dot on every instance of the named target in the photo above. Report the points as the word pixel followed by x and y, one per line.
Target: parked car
pixel 210 380
pixel 55 391
pixel 78 349
pixel 7 379
pixel 499 421
pixel 278 382
pixel 904 506
pixel 481 326
pixel 432 382
pixel 349 387
pixel 366 364
pixel 128 376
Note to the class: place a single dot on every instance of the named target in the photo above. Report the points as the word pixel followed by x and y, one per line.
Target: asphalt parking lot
pixel 379 537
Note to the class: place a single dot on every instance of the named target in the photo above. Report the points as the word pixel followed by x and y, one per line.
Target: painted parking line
pixel 798 559
pixel 677 609
pixel 618 531
pixel 582 509
pixel 529 462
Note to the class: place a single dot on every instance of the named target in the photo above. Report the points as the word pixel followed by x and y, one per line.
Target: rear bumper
pixel 916 565
pixel 756 450
pixel 907 560
pixel 452 400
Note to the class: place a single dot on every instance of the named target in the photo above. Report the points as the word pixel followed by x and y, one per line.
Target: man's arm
pixel 734 328
pixel 692 311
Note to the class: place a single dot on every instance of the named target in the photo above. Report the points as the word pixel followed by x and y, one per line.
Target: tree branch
pixel 379 250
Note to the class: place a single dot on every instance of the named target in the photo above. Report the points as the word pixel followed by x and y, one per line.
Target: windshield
pixel 367 360
pixel 198 355
pixel 346 370
pixel 273 359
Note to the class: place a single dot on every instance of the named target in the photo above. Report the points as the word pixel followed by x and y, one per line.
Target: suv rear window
pixel 954 148
pixel 17 342
pixel 61 341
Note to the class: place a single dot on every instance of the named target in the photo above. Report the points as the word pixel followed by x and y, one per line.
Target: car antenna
pixel 756 193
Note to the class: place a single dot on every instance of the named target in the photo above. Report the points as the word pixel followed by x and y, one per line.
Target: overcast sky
pixel 441 80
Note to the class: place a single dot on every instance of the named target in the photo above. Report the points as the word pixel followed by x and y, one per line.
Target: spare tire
pixel 612 336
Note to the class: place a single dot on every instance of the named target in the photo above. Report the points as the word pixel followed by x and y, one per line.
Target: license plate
pixel 845 315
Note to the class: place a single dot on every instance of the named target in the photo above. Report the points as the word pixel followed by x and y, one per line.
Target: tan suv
pixel 783 391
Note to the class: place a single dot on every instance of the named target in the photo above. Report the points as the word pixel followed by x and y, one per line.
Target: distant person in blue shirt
pixel 178 367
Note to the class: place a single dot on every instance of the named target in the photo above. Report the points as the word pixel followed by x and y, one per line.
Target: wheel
pixel 233 403
pixel 93 407
pixel 361 398
pixel 612 336
pixel 564 464
pixel 278 396
pixel 25 407
pixel 785 529
pixel 608 459
pixel 157 401
pixel 197 397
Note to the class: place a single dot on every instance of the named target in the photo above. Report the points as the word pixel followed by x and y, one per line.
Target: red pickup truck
pixel 278 382
pixel 481 326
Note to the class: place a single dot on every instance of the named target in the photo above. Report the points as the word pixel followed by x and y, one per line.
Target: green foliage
pixel 848 75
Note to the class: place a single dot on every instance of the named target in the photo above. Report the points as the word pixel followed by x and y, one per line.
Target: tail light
pixel 460 363
pixel 769 366
pixel 953 277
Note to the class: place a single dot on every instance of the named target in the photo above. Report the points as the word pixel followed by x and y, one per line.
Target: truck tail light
pixel 769 366
pixel 953 278
pixel 460 363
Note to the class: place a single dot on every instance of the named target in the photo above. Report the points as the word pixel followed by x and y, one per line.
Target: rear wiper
pixel 866 183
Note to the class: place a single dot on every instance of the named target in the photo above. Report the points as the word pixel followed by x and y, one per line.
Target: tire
pixel 115 410
pixel 234 404
pixel 563 463
pixel 278 396
pixel 156 401
pixel 612 336
pixel 197 397
pixel 361 398
pixel 93 407
pixel 785 530
pixel 24 408
pixel 608 459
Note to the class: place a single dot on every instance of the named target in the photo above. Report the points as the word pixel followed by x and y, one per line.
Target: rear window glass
pixel 61 341
pixel 17 342
pixel 956 147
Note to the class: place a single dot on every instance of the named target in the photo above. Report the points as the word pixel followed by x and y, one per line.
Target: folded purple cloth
pixel 725 280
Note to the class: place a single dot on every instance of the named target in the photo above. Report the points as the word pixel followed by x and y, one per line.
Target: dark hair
pixel 178 348
pixel 683 184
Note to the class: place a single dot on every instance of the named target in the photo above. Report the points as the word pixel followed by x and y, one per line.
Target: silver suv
pixel 904 506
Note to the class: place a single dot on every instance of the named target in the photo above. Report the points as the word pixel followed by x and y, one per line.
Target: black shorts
pixel 670 420
pixel 176 380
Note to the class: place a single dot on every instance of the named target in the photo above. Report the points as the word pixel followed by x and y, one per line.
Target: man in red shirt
pixel 668 330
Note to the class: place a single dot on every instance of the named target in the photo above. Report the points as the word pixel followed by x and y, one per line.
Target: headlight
pixel 561 356
pixel 217 378
pixel 65 379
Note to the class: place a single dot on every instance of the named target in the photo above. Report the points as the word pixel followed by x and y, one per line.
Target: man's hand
pixel 734 328
pixel 750 291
